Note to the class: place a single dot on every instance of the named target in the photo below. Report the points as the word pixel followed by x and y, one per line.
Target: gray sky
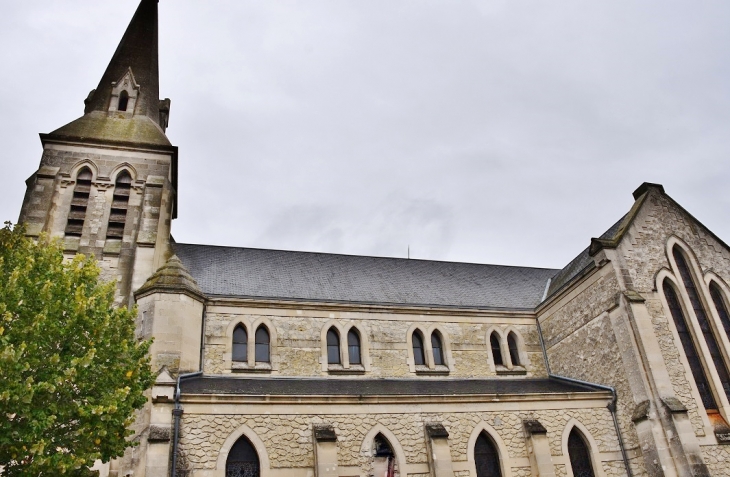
pixel 503 132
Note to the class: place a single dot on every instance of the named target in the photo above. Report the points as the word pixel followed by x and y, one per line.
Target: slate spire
pixel 137 51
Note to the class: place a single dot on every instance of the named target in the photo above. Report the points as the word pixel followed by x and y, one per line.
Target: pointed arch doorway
pixel 243 461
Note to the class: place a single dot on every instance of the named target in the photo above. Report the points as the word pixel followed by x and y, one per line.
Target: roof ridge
pixel 366 256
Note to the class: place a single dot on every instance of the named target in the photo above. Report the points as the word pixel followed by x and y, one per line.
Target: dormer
pixel 124 94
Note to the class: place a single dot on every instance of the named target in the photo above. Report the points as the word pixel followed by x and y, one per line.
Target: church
pixel 294 364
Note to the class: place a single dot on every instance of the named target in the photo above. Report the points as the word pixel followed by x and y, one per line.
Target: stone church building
pixel 295 364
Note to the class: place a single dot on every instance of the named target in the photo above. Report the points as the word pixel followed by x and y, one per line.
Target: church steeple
pixel 134 61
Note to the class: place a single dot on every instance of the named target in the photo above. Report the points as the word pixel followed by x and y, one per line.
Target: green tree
pixel 72 372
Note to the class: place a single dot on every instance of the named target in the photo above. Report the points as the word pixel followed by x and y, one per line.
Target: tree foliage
pixel 72 372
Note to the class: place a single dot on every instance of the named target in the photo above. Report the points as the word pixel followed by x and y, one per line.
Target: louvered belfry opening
pixel 79 203
pixel 120 204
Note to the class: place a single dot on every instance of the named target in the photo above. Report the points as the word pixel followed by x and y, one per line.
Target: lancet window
pixel 419 358
pixel 702 319
pixel 242 461
pixel 333 346
pixel 353 346
pixel 496 349
pixel 437 348
pixel 514 351
pixel 580 457
pixel 721 307
pixel 262 345
pixel 690 351
pixel 240 344
pixel 486 457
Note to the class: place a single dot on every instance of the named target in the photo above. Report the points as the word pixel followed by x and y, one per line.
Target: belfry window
pixel 333 347
pixel 123 101
pixel 243 461
pixel 486 457
pixel 79 203
pixel 418 356
pixel 263 348
pixel 702 318
pixel 514 351
pixel 496 349
pixel 580 457
pixel 695 365
pixel 353 346
pixel 437 347
pixel 240 344
pixel 120 203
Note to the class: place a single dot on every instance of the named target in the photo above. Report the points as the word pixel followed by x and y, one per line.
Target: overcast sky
pixel 506 132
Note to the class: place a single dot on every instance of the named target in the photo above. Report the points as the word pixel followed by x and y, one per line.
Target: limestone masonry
pixel 295 364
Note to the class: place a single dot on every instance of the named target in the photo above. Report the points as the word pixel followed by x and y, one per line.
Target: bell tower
pixel 107 182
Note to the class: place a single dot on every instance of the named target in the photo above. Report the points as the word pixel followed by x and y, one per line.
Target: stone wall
pixel 288 437
pixel 645 253
pixel 298 350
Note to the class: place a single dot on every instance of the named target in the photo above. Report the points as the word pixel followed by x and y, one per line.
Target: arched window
pixel 120 203
pixel 699 309
pixel 580 457
pixel 486 457
pixel 263 354
pixel 333 347
pixel 123 101
pixel 438 351
pixel 240 344
pixel 243 461
pixel 721 307
pixel 496 349
pixel 79 203
pixel 353 346
pixel 418 357
pixel 695 365
pixel 514 351
pixel 383 457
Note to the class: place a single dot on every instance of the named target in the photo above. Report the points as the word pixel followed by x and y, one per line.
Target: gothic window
pixel 353 346
pixel 243 461
pixel 263 348
pixel 695 365
pixel 418 356
pixel 123 101
pixel 240 344
pixel 333 347
pixel 384 458
pixel 437 347
pixel 120 202
pixel 580 457
pixel 702 319
pixel 721 307
pixel 79 202
pixel 496 349
pixel 514 351
pixel 486 457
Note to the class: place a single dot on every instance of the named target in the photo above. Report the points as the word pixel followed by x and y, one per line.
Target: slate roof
pixel 98 125
pixel 375 387
pixel 277 274
pixel 579 263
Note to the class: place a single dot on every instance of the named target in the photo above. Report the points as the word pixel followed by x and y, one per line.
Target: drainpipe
pixel 611 406
pixel 176 413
